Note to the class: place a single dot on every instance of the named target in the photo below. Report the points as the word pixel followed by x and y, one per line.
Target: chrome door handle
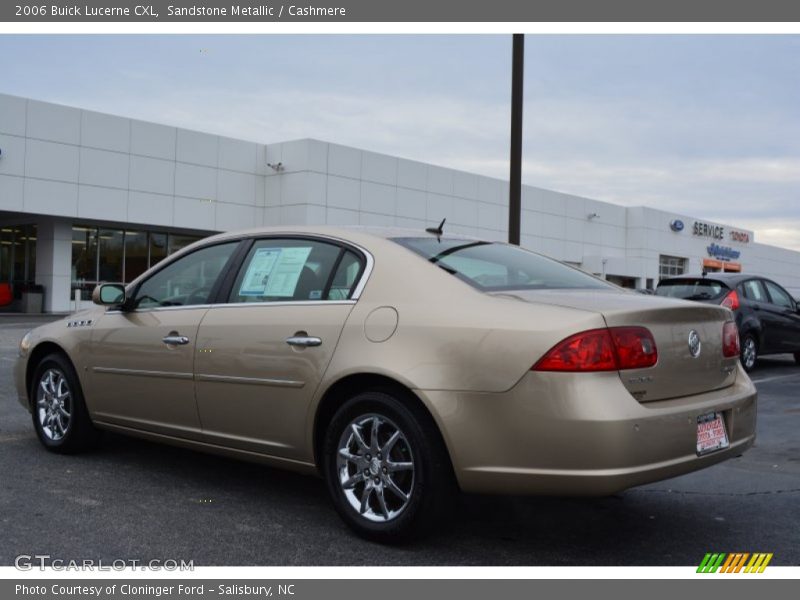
pixel 176 340
pixel 303 341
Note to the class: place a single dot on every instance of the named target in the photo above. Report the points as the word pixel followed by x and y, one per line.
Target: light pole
pixel 515 175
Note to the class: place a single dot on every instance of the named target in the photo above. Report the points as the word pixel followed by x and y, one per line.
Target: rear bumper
pixel 582 434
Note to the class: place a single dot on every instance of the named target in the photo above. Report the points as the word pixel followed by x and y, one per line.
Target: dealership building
pixel 88 197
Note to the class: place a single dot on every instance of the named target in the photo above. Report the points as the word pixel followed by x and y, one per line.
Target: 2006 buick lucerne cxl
pixel 401 365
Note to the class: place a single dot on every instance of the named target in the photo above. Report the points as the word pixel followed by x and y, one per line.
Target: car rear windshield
pixel 691 289
pixel 496 267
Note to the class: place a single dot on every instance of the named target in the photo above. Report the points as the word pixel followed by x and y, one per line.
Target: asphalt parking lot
pixel 137 500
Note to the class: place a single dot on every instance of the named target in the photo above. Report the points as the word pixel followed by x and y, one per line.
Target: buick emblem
pixel 694 343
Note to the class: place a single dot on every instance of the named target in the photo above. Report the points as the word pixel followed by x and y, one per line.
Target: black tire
pixel 57 432
pixel 429 484
pixel 749 351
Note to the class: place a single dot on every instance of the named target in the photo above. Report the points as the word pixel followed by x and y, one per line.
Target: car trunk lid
pixel 678 372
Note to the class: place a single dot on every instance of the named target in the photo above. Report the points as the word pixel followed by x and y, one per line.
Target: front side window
pixel 778 295
pixel 496 267
pixel 187 281
pixel 282 270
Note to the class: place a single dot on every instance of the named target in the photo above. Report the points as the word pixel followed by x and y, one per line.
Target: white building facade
pixel 88 197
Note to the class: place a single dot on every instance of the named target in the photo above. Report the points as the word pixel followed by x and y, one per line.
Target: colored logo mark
pixel 735 562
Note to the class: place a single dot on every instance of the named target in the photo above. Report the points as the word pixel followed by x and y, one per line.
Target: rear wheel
pixel 387 471
pixel 60 417
pixel 749 353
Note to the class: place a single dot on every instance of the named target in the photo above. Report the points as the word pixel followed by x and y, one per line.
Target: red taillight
pixel 731 300
pixel 636 348
pixel 611 349
pixel 730 339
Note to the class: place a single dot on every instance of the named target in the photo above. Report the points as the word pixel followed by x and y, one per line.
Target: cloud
pixel 704 126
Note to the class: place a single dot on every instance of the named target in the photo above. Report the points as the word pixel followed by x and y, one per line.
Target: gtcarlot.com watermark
pixel 29 562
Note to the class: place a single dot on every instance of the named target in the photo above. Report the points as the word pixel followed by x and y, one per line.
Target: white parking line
pixel 775 378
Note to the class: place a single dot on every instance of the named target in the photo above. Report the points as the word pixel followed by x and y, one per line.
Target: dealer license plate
pixel 711 434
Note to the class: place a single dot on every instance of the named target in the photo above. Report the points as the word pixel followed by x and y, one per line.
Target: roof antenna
pixel 437 230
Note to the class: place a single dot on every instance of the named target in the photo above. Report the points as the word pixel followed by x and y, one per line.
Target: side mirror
pixel 109 294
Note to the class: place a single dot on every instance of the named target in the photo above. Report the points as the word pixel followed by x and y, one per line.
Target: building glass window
pixel 135 254
pixel 178 242
pixel 6 254
pixel 670 266
pixel 158 248
pixel 18 257
pixel 116 256
pixel 110 255
pixel 84 260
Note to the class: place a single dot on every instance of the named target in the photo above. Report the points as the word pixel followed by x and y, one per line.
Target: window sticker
pixel 285 272
pixel 315 295
pixel 257 275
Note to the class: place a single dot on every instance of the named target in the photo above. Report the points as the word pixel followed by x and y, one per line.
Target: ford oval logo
pixel 676 225
pixel 694 343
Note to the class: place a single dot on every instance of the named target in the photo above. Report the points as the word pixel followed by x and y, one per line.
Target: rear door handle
pixel 173 339
pixel 303 341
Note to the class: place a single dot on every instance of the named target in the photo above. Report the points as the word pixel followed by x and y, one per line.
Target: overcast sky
pixel 704 125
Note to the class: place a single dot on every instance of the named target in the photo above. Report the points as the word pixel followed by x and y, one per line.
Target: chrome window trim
pixel 359 287
pixel 356 294
pixel 282 303
pixel 365 275
pixel 234 305
pixel 158 308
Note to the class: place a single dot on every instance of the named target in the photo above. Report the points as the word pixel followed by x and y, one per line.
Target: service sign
pixel 708 230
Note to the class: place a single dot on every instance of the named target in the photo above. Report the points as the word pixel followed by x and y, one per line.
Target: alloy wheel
pixel 749 353
pixel 375 467
pixel 54 404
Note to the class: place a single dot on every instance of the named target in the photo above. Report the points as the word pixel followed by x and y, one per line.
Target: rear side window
pixel 281 270
pixel 754 291
pixel 345 277
pixel 691 289
pixel 496 267
pixel 778 295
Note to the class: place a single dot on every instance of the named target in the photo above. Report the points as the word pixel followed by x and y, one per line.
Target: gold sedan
pixel 400 365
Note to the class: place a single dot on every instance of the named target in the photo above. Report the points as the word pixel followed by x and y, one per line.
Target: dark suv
pixel 767 316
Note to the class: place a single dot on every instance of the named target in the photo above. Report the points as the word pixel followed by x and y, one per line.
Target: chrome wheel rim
pixel 749 352
pixel 53 404
pixel 375 468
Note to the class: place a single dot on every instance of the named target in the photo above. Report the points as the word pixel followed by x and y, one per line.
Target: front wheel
pixel 60 417
pixel 386 468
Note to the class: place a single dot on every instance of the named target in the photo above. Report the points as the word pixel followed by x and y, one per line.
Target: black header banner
pixel 342 11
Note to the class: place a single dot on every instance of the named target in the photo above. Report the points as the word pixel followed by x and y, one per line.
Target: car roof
pixel 353 233
pixel 721 277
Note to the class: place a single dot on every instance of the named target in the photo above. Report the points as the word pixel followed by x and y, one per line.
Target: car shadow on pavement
pixel 141 499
